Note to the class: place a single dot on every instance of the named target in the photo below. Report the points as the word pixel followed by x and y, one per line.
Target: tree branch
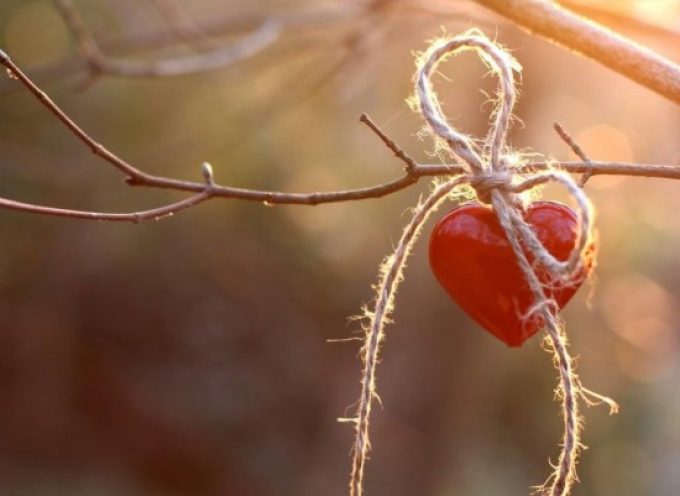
pixel 260 38
pixel 216 27
pixel 142 215
pixel 546 18
pixel 209 189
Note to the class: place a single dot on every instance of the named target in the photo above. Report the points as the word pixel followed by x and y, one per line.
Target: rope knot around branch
pixel 490 173
pixel 484 182
pixel 491 176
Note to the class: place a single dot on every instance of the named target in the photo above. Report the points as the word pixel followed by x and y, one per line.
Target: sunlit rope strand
pixel 574 263
pixel 493 185
pixel 391 274
pixel 501 62
pixel 492 179
pixel 564 473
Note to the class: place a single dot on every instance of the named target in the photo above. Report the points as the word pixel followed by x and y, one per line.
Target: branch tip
pixel 413 171
pixel 411 164
pixel 578 151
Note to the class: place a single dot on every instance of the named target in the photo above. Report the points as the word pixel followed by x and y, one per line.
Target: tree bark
pixel 557 24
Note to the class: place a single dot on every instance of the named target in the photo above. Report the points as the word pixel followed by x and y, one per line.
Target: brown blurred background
pixel 190 356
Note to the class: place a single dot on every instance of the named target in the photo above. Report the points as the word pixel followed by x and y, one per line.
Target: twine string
pixel 391 274
pixel 494 173
pixel 489 172
pixel 494 183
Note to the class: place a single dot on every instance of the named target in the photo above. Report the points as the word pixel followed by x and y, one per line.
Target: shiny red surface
pixel 472 259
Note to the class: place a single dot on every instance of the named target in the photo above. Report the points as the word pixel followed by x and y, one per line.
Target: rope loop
pixel 491 176
pixel 489 167
pixel 491 173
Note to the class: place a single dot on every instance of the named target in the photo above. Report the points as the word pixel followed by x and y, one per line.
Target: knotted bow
pixel 490 173
pixel 497 182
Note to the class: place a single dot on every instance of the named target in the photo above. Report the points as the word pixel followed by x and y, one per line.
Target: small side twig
pixel 414 171
pixel 411 165
pixel 95 147
pixel 578 151
pixel 135 217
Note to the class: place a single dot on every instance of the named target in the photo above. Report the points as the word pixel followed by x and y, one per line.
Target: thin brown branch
pixel 411 165
pixel 414 171
pixel 541 16
pixel 230 24
pixel 566 137
pixel 247 46
pixel 216 27
pixel 548 19
pixel 595 167
pixel 133 43
pixel 95 147
pixel 279 197
pixel 261 37
pixel 403 182
pixel 578 151
pixel 140 216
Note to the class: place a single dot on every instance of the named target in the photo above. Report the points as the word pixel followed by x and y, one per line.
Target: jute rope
pixel 498 183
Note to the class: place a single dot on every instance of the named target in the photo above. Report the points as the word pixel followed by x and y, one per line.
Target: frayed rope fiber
pixel 492 172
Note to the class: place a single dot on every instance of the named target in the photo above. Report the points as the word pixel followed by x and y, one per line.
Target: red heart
pixel 471 257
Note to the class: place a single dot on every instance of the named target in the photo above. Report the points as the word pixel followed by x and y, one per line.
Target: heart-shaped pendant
pixel 471 257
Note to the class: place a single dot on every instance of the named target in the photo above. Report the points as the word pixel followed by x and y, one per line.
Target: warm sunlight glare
pixel 657 10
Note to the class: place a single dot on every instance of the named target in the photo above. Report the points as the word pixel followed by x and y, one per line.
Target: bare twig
pixel 413 171
pixel 95 147
pixel 541 16
pixel 577 150
pixel 411 165
pixel 229 24
pixel 546 18
pixel 572 144
pixel 132 43
pixel 142 215
pixel 261 37
pixel 216 27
